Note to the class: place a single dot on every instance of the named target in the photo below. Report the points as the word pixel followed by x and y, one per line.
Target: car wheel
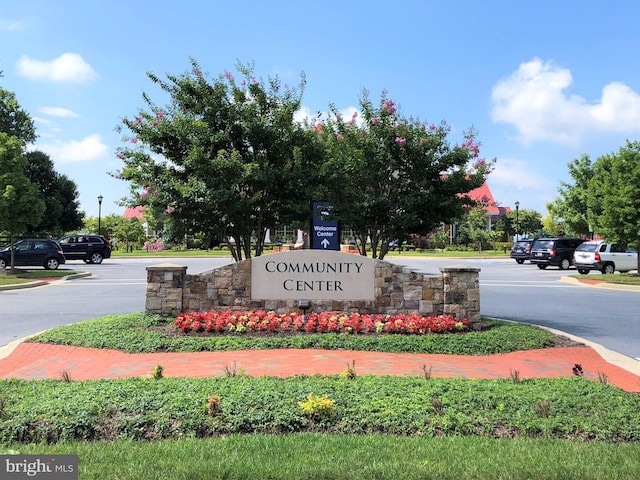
pixel 51 264
pixel 542 267
pixel 520 261
pixel 608 269
pixel 583 271
pixel 96 257
pixel 3 263
pixel 565 263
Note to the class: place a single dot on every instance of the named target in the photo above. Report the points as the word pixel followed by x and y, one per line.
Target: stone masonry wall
pixel 456 291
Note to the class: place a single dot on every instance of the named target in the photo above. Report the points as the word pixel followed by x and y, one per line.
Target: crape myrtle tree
pixel 224 158
pixel 388 176
pixel 614 197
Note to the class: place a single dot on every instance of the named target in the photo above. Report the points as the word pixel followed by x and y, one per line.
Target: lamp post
pixel 100 198
pixel 517 218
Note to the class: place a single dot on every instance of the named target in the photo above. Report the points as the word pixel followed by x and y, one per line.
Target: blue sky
pixel 542 82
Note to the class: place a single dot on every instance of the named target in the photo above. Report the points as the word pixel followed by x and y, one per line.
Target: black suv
pixel 83 246
pixel 557 252
pixel 521 250
pixel 33 252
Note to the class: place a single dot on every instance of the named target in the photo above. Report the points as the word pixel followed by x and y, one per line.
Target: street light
pixel 517 218
pixel 100 198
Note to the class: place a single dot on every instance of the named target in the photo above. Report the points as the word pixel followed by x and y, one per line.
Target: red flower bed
pixel 228 321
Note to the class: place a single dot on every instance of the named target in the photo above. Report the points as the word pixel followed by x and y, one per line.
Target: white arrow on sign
pixel 325 243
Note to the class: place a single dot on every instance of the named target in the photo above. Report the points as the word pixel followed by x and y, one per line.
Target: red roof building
pixel 135 212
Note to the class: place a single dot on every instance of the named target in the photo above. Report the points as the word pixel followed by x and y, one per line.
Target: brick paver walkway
pixel 37 361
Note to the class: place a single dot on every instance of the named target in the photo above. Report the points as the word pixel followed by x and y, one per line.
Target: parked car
pixel 521 250
pixel 88 247
pixel 557 252
pixel 33 252
pixel 605 257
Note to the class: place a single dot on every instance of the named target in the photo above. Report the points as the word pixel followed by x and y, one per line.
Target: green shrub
pixel 318 407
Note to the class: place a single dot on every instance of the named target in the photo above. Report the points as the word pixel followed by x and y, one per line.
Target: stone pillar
pixel 164 288
pixel 462 292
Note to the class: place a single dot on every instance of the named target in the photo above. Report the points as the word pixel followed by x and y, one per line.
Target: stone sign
pixel 312 275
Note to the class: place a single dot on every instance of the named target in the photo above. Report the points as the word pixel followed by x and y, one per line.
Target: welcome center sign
pixel 312 275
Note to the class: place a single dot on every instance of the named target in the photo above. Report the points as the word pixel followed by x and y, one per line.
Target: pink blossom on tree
pixel 389 106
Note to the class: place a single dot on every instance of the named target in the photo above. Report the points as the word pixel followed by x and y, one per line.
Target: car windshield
pixel 587 247
pixel 543 245
pixel 522 244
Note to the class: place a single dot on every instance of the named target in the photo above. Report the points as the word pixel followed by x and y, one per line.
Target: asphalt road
pixel 508 290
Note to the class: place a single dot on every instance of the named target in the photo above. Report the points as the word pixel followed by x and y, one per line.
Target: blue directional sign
pixel 325 234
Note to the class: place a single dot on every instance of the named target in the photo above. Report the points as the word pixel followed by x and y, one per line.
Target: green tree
pixel 223 158
pixel 14 121
pixel 129 230
pixel 20 204
pixel 552 226
pixel 59 193
pixel 108 224
pixel 570 208
pixel 527 222
pixel 477 228
pixel 388 176
pixel 614 197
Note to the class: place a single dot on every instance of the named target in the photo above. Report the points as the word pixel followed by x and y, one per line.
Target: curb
pixel 19 286
pixel 600 284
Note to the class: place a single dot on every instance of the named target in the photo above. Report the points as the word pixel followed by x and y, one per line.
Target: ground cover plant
pixel 142 333
pixel 50 411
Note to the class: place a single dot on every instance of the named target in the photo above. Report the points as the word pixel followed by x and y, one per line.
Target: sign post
pixel 325 234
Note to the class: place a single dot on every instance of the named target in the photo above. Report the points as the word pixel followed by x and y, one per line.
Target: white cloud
pixel 58 112
pixel 43 121
pixel 85 150
pixel 518 175
pixel 68 67
pixel 8 26
pixel 534 100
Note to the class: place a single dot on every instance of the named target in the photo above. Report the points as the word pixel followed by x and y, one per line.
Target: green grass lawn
pixel 349 457
pixel 618 278
pixel 29 275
